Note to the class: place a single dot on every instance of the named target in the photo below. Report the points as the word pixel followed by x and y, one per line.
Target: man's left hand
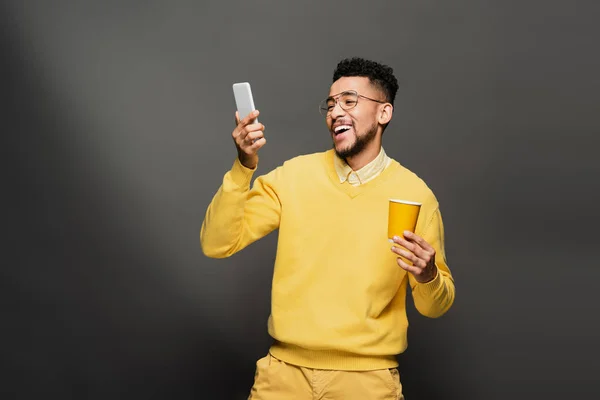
pixel 419 253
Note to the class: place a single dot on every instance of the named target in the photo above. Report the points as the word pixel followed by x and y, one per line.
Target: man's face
pixel 355 129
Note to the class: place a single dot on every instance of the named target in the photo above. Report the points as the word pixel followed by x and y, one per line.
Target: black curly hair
pixel 380 75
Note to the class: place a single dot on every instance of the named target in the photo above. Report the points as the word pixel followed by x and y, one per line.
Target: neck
pixel 364 157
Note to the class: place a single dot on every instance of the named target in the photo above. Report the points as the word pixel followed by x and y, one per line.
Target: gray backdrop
pixel 117 119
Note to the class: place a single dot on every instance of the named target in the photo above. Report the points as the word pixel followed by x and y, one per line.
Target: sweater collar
pixel 363 175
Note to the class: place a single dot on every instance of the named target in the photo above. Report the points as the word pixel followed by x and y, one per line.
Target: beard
pixel 359 144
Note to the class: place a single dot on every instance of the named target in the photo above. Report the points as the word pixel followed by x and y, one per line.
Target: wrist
pixel 431 276
pixel 248 161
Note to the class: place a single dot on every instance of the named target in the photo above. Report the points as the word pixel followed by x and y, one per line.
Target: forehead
pixel 359 83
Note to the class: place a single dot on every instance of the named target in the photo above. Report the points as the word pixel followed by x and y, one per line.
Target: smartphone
pixel 243 100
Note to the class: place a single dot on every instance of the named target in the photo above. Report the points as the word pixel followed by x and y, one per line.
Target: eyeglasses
pixel 347 101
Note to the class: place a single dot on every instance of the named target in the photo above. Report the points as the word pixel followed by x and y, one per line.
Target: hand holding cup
pixel 415 255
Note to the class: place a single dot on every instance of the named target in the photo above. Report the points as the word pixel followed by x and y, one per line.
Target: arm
pixel 238 216
pixel 429 276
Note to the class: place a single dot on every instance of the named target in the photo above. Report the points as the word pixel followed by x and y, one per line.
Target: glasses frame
pixel 324 109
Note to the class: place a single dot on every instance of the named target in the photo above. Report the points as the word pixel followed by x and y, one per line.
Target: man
pixel 338 316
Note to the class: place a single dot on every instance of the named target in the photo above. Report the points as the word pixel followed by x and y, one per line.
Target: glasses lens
pixel 326 106
pixel 348 100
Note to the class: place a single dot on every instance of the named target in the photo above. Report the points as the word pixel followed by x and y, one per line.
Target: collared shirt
pixel 363 175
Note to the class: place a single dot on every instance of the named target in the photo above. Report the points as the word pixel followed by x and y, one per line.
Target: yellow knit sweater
pixel 338 295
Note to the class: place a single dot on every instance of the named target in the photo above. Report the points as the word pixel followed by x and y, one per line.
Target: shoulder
pixel 305 163
pixel 419 189
pixel 304 160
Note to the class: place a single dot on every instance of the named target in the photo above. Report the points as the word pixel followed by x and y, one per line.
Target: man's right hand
pixel 248 139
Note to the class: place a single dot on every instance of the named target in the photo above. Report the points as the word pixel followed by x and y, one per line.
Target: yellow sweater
pixel 338 295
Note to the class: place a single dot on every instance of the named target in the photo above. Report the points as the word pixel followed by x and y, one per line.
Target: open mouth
pixel 341 129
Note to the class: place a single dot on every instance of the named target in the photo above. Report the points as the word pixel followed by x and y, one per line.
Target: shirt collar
pixel 363 175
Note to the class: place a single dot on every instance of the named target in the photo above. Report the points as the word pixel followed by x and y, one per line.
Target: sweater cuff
pixel 241 175
pixel 433 285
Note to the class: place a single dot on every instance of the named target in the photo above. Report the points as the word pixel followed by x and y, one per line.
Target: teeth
pixel 342 127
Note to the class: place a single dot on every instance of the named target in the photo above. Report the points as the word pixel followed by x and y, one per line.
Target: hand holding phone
pixel 248 134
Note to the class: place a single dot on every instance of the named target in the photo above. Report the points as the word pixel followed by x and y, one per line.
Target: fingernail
pixel 407 233
pixel 391 240
pixel 396 238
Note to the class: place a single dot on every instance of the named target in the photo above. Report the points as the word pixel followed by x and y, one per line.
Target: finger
pixel 419 240
pixel 241 125
pixel 412 269
pixel 404 243
pixel 258 144
pixel 424 250
pixel 255 127
pixel 249 118
pixel 246 130
pixel 413 246
pixel 247 139
pixel 409 256
pixel 253 136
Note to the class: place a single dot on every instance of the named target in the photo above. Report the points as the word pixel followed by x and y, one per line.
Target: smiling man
pixel 338 317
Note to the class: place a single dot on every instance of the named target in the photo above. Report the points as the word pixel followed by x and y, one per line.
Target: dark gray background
pixel 116 129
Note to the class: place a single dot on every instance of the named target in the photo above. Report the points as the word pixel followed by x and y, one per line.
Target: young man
pixel 338 316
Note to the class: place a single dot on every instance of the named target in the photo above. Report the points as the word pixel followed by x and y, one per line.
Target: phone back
pixel 243 99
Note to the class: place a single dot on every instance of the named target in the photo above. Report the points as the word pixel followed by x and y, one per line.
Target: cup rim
pixel 409 202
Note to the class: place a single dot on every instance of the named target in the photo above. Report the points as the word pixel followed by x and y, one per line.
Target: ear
pixel 385 114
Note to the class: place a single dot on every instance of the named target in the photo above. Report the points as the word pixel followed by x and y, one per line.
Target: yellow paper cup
pixel 402 217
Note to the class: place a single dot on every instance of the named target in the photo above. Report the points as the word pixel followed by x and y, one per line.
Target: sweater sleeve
pixel 434 298
pixel 237 215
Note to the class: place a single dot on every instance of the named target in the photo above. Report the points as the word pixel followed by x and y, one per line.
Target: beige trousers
pixel 277 380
